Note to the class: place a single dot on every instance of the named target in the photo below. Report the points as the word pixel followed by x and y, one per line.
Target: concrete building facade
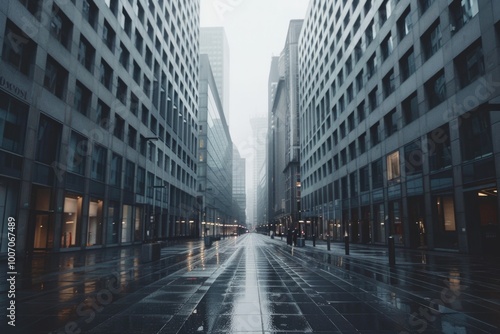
pixel 283 147
pixel 399 122
pixel 99 122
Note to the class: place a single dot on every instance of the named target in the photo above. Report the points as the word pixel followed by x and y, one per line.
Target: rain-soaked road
pixel 254 284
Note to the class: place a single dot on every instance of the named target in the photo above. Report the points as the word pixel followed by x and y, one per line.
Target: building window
pixel 431 40
pixel 139 41
pixel 475 135
pixel 48 140
pixel 90 12
pixel 364 179
pixel 386 47
pixel 137 73
pixel 352 151
pixel 439 145
pixel 70 230
pixel 388 83
pixel 132 137
pixel 410 108
pixel 350 122
pixel 343 157
pixel 108 36
pixel 436 89
pixel 141 181
pixel 145 115
pixel 384 12
pixel 134 104
pixel 353 182
pixel 361 111
pixel 470 64
pixel 414 158
pixel 86 53
pixel 121 91
pixel 404 23
pixel 102 114
pixel 82 99
pixel 393 170
pixel 390 123
pixel 143 143
pixel 77 154
pixel 407 64
pixel 424 5
pixel 359 81
pixel 377 174
pixel 362 143
pixel 13 118
pixel 146 85
pixel 372 98
pixel 371 66
pixel 61 27
pixel 106 75
pixel 370 33
pixel 374 134
pixel 129 176
pixel 461 12
pixel 124 56
pixel 55 78
pixel 33 6
pixel 126 23
pixel 446 213
pixel 95 222
pixel 127 223
pixel 98 167
pixel 119 127
pixel 18 49
pixel 115 175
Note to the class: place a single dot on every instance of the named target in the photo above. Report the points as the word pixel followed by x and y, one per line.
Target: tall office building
pixel 99 122
pixel 259 134
pixel 213 42
pixel 215 156
pixel 400 122
pixel 283 146
pixel 239 186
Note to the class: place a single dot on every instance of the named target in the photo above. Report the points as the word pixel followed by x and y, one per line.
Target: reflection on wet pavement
pixel 252 284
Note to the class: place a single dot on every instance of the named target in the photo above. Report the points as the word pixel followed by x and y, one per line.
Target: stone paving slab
pixel 255 284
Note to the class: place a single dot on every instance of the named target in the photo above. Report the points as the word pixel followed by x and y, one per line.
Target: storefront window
pixel 446 210
pixel 42 218
pixel 379 222
pixel 113 222
pixel 127 221
pixel 137 224
pixel 94 233
pixel 71 222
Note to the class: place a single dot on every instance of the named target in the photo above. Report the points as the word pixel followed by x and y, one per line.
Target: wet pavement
pixel 255 284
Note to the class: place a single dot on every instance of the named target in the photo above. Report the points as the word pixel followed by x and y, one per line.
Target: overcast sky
pixel 256 30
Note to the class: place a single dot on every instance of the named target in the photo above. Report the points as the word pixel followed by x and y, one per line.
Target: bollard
pixel 346 243
pixel 314 240
pixel 392 251
pixel 328 242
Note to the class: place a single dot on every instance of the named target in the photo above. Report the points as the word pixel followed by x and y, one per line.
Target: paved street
pixel 255 284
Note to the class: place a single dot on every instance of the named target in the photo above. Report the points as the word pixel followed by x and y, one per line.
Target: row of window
pixel 470 66
pixel 431 42
pixel 475 143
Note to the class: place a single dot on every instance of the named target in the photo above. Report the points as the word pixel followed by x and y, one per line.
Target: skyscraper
pixel 215 156
pixel 213 42
pixel 98 122
pixel 283 146
pixel 399 122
